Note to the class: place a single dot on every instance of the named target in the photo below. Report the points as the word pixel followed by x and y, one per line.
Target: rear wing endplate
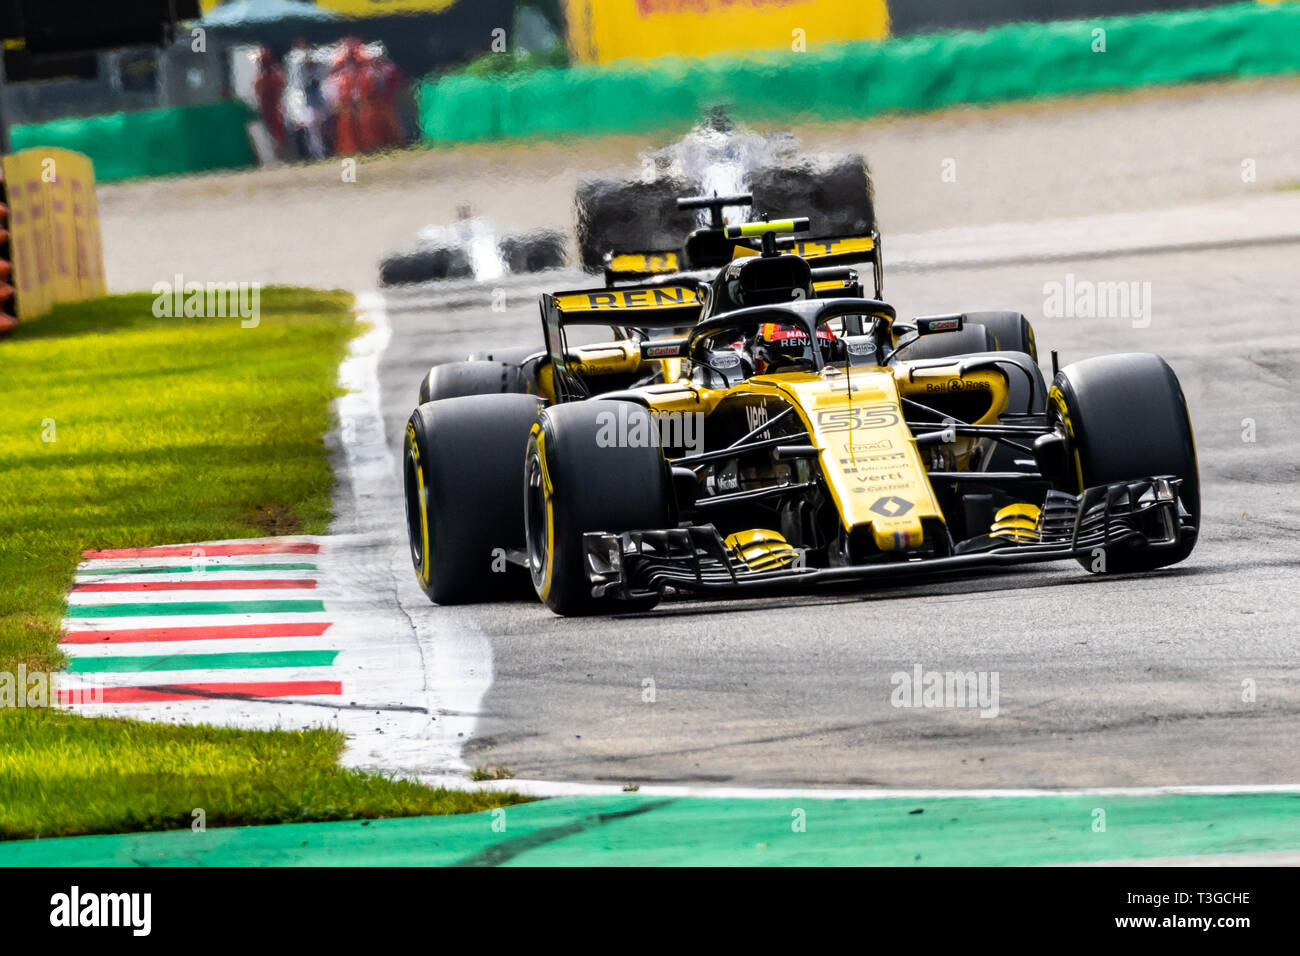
pixel 648 308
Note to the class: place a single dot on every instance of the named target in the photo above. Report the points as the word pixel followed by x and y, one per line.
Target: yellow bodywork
pixel 869 458
pixel 635 299
pixel 855 416
pixel 1018 523
pixel 641 263
pixel 761 549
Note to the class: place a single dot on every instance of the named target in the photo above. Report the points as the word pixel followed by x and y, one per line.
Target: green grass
pixel 61 774
pixel 165 431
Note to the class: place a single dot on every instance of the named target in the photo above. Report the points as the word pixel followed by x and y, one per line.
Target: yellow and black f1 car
pixel 770 428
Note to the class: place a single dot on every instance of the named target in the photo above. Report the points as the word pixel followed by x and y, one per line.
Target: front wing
pixel 1141 513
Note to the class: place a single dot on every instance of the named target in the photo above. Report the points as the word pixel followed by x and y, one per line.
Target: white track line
pixel 550 788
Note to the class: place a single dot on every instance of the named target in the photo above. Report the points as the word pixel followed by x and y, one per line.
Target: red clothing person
pixel 268 87
pixel 346 81
pixel 394 89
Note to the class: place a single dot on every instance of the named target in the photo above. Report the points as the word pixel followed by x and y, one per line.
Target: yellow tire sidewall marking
pixel 422 494
pixel 548 490
pixel 1057 399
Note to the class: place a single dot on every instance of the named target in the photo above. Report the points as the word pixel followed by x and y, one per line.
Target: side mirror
pixel 861 349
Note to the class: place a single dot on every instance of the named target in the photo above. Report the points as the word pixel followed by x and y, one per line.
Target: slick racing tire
pixel 971 340
pixel 424 265
pixel 462 468
pixel 533 251
pixel 458 379
pixel 1007 332
pixel 1001 332
pixel 574 483
pixel 509 355
pixel 1125 417
pixel 838 199
pixel 630 216
pixel 991 332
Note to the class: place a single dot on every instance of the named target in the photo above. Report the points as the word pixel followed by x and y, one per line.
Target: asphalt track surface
pixel 1182 677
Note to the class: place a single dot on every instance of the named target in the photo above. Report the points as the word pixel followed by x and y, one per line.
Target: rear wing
pixel 626 310
pixel 636 266
pixel 827 251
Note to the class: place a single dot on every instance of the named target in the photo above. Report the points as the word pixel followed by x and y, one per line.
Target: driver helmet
pixel 778 346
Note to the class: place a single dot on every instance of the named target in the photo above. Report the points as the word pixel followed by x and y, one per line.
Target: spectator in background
pixel 304 101
pixel 268 87
pixel 345 90
pixel 394 93
pixel 374 104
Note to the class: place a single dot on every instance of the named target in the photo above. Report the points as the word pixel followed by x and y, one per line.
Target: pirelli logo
pixel 657 297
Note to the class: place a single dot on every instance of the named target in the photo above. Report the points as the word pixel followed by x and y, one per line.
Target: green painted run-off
pixel 188 608
pixel 86 572
pixel 190 662
pixel 645 830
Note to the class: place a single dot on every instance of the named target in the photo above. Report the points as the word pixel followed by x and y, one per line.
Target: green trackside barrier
pixel 161 142
pixel 857 80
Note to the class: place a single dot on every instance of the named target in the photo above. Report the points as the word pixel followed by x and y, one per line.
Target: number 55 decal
pixel 859 416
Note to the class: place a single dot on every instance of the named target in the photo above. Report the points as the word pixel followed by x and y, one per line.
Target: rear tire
pixel 574 485
pixel 1126 417
pixel 1001 332
pixel 991 332
pixel 510 355
pixel 838 198
pixel 459 379
pixel 462 468
pixel 1007 332
pixel 630 216
pixel 971 340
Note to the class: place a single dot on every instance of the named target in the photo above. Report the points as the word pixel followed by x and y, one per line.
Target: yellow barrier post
pixel 54 240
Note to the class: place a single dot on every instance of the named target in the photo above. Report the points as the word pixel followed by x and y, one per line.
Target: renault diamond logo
pixel 892 506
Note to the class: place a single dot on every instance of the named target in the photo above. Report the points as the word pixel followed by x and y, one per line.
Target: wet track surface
pixel 1185 676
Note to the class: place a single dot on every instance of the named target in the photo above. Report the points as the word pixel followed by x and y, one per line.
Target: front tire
pixel 576 480
pixel 1125 417
pixel 462 470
